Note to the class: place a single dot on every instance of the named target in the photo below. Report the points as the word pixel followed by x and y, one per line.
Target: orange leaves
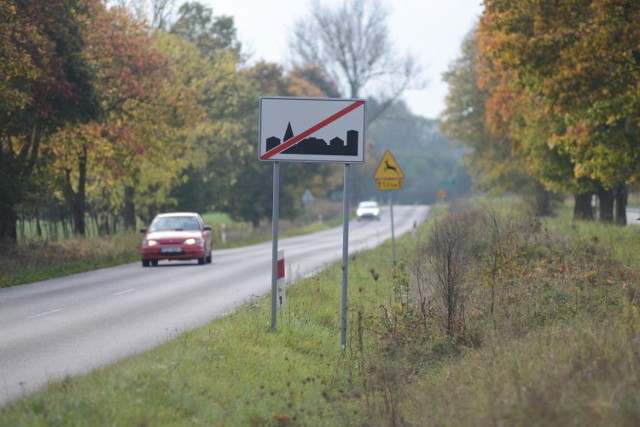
pixel 121 51
pixel 575 61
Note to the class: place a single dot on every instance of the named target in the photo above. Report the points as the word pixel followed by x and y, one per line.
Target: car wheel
pixel 202 260
pixel 154 263
pixel 145 263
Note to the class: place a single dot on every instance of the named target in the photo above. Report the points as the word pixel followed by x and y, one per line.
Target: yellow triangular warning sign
pixel 388 168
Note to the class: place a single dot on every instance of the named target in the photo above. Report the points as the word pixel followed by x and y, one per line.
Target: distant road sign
pixel 388 168
pixel 312 129
pixel 307 198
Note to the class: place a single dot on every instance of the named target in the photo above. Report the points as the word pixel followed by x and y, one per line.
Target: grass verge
pixel 546 331
pixel 232 372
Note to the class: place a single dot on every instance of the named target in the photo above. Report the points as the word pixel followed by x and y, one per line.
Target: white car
pixel 368 210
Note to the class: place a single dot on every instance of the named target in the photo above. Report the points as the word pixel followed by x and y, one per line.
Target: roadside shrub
pixel 448 262
pixel 494 281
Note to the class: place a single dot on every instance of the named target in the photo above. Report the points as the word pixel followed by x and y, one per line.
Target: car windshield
pixel 368 205
pixel 175 223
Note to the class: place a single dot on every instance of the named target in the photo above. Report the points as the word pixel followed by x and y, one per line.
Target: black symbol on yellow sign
pixel 388 168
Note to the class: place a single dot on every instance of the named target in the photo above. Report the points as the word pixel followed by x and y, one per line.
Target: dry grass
pixel 30 261
pixel 548 334
pixel 547 331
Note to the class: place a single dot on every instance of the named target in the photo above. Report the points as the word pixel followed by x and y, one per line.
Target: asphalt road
pixel 71 325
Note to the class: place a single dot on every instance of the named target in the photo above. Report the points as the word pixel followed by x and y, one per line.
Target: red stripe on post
pixel 281 268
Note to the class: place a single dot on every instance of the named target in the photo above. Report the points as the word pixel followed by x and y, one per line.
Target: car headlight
pixel 192 241
pixel 151 243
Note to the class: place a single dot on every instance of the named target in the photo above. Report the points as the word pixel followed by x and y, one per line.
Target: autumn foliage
pixel 104 116
pixel 560 80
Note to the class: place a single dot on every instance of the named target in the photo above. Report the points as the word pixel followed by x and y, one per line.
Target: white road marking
pixel 123 292
pixel 45 313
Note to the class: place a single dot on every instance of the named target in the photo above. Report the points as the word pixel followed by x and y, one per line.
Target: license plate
pixel 170 250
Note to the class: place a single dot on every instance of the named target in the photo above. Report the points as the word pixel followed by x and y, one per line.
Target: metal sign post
pixel 274 242
pixel 393 233
pixel 345 257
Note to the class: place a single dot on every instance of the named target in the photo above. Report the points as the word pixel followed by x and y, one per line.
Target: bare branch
pixel 351 44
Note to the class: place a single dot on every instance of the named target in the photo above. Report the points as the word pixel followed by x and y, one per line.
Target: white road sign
pixel 312 129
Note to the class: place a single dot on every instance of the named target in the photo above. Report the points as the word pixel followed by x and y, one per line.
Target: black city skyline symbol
pixel 312 145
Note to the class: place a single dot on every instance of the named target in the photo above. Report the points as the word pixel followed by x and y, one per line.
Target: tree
pixel 351 44
pixel 197 24
pixel 205 48
pixel 47 83
pixel 156 12
pixel 578 60
pixel 317 77
pixel 139 105
pixel 464 120
pixel 601 66
pixel 222 134
pixel 493 158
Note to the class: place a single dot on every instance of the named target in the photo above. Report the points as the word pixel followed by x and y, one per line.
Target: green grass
pixel 233 371
pixel 562 346
pixel 216 218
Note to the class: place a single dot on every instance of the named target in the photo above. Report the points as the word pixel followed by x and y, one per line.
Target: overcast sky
pixel 432 30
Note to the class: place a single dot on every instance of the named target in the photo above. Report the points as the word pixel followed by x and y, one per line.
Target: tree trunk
pixel 542 201
pixel 76 201
pixel 606 205
pixel 129 209
pixel 621 196
pixel 16 173
pixel 582 209
pixel 8 221
pixel 80 227
pixel 9 197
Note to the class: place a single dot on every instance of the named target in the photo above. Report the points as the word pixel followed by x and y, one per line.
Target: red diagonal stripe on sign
pixel 294 140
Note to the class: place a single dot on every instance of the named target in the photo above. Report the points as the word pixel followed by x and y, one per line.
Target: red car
pixel 176 236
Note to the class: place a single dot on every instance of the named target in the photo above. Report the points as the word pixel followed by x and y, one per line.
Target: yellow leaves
pixel 576 60
pixel 580 171
pixel 612 120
